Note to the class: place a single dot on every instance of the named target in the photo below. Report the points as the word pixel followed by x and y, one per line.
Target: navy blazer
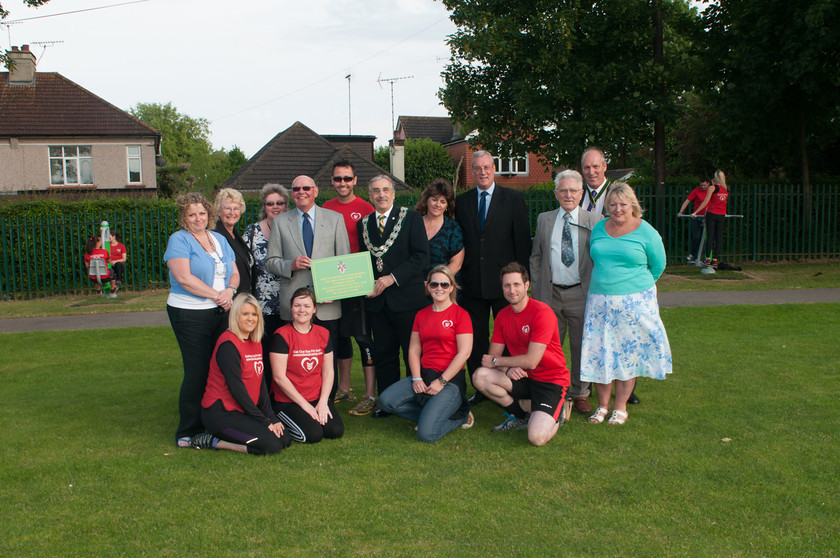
pixel 506 238
pixel 405 260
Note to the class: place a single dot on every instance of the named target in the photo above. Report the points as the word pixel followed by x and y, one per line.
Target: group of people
pixel 112 268
pixel 265 363
pixel 709 212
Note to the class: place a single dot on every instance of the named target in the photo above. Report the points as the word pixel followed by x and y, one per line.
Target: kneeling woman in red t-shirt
pixel 441 341
pixel 236 409
pixel 302 368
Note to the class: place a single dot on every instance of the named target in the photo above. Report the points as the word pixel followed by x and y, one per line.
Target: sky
pixel 252 68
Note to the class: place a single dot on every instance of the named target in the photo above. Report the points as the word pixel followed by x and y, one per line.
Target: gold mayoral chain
pixel 380 251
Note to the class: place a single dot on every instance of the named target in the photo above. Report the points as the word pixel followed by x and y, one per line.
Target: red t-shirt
pixel 98 254
pixel 437 335
pixel 117 251
pixel 352 213
pixel 536 323
pixel 717 204
pixel 306 358
pixel 251 364
pixel 697 196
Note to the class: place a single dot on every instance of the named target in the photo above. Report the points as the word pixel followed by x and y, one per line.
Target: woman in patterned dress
pixel 623 335
pixel 446 240
pixel 274 198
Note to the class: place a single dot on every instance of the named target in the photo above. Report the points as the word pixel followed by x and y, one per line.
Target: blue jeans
pixel 432 418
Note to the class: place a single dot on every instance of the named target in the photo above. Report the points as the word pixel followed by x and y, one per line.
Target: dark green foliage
pixel 425 160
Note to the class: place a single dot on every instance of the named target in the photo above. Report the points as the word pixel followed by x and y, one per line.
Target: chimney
pixel 398 158
pixel 22 68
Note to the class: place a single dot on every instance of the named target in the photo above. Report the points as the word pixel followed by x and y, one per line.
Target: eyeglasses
pixel 232 209
pixel 272 204
pixel 441 284
pixel 568 192
pixel 299 188
pixel 344 178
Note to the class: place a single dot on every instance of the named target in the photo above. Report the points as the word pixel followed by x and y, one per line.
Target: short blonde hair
pixel 444 269
pixel 236 310
pixel 231 195
pixel 624 191
pixel 184 202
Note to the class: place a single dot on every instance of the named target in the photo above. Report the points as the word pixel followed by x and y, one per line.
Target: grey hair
pixel 588 149
pixel 478 154
pixel 269 189
pixel 382 177
pixel 568 174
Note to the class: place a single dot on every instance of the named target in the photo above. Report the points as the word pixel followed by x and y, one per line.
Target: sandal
pixel 599 415
pixel 618 417
pixel 185 442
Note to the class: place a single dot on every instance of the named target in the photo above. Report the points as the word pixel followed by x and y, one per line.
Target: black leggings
pixel 714 234
pixel 239 428
pixel 303 428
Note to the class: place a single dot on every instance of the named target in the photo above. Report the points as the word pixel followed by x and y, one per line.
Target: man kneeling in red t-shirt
pixel 530 384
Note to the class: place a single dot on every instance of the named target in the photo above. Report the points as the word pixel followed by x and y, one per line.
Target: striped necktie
pixel 381 224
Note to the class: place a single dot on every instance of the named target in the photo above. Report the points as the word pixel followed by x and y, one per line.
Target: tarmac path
pixel 666 300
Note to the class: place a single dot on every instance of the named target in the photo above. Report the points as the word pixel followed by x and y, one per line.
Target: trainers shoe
pixel 345 396
pixel 364 407
pixel 511 423
pixel 470 421
pixel 204 440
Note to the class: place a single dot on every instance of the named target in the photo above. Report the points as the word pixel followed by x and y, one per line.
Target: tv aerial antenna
pixel 44 45
pixel 391 82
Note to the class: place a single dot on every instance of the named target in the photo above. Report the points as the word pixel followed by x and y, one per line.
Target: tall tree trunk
pixel 806 171
pixel 659 125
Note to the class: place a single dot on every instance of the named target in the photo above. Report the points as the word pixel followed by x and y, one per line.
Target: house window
pixel 71 165
pixel 133 159
pixel 511 165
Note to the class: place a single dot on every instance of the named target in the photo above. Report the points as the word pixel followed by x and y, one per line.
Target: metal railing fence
pixel 44 256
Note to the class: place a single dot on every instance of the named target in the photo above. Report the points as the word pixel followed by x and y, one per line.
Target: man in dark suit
pixel 496 232
pixel 561 268
pixel 593 165
pixel 399 251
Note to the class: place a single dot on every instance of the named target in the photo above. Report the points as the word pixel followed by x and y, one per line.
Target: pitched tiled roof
pixel 55 106
pixel 298 150
pixel 436 128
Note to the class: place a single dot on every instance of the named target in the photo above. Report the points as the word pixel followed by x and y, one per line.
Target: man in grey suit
pixel 299 236
pixel 561 268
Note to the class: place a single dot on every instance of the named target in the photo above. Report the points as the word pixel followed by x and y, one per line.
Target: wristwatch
pixel 493 361
pixel 443 381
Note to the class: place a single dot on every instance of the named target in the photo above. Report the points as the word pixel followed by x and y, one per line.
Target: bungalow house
pixel 56 136
pixel 520 173
pixel 299 150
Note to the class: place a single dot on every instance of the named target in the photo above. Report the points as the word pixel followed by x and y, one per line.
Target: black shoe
pixel 633 400
pixel 476 399
pixel 379 413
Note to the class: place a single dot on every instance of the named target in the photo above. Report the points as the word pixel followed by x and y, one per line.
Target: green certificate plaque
pixel 342 276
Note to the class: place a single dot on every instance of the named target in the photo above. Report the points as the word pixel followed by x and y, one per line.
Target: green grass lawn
pixel 735 454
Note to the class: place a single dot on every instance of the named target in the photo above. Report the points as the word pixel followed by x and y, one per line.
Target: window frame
pixel 511 163
pixel 129 158
pixel 78 161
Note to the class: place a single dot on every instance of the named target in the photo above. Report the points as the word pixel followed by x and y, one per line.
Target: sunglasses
pixel 272 204
pixel 441 284
pixel 344 178
pixel 299 188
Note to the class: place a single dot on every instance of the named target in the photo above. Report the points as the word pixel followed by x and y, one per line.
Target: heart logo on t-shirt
pixel 526 329
pixel 258 367
pixel 447 323
pixel 355 216
pixel 309 364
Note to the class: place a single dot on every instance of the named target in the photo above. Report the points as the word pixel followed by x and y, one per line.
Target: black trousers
pixel 197 332
pixel 303 428
pixel 714 234
pixel 391 333
pixel 239 428
pixel 479 311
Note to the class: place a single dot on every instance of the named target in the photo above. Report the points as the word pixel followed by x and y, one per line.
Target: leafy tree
pixel 552 77
pixel 191 161
pixel 777 72
pixel 425 160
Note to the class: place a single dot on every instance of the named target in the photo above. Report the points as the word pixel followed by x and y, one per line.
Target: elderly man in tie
pixel 561 268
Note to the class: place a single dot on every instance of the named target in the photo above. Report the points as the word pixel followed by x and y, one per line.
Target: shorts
pixel 544 396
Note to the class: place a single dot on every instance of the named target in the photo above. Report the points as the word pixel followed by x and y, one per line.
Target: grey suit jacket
pixel 286 243
pixel 541 252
